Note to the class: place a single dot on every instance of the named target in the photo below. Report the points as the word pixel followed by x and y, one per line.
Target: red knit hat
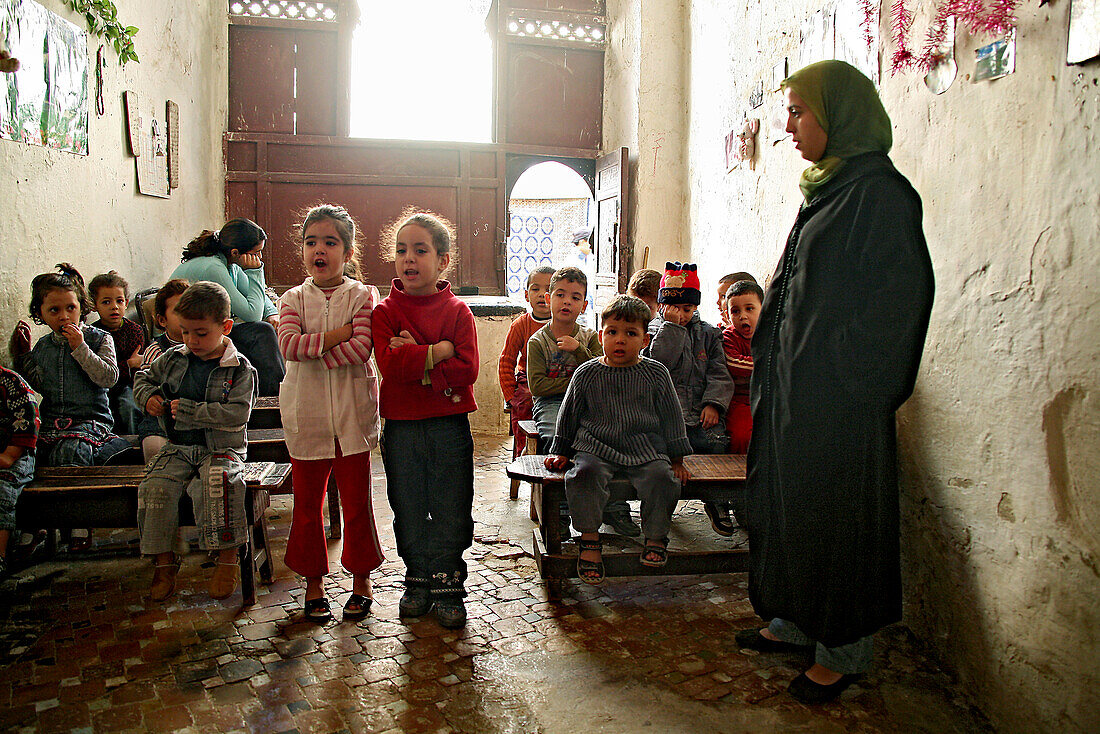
pixel 679 284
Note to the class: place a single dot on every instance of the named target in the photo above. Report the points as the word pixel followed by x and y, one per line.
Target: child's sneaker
pixel 415 602
pixel 617 515
pixel 451 613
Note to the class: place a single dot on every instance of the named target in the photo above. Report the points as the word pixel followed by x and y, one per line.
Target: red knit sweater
pixel 430 319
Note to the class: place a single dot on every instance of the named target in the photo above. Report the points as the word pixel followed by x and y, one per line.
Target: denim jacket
pixel 69 394
pixel 230 395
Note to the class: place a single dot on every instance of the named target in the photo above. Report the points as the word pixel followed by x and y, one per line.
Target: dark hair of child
pixel 442 232
pixel 644 283
pixel 540 270
pixel 627 308
pixel 242 235
pixel 743 287
pixel 65 279
pixel 345 227
pixel 735 277
pixel 571 274
pixel 110 279
pixel 174 287
pixel 204 300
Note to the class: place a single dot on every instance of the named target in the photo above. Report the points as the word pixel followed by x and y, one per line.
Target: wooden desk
pixel 106 497
pixel 719 478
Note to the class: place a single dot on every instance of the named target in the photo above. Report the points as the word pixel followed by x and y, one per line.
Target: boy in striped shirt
pixel 621 415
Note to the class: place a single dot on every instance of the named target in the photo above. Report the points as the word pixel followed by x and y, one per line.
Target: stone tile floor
pixel 83 650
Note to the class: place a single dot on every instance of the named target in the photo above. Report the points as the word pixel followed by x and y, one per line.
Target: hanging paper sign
pixel 997 59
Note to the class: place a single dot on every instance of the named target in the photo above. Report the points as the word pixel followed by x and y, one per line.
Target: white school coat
pixel 320 406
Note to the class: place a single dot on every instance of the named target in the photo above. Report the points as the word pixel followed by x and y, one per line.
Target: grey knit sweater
pixel 624 415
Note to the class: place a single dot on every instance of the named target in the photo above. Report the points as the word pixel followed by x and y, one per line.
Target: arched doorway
pixel 547 206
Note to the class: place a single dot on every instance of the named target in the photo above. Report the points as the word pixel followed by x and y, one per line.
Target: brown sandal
pixel 654 556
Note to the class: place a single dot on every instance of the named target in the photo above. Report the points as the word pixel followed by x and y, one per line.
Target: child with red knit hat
pixel 692 351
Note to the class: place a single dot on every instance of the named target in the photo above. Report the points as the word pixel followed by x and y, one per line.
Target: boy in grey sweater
pixel 621 415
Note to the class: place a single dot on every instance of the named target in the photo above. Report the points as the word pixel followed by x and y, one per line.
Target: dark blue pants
pixel 257 341
pixel 430 484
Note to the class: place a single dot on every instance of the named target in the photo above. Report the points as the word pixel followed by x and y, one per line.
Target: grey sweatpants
pixel 217 491
pixel 586 488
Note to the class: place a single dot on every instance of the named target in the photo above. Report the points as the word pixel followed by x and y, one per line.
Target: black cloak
pixel 836 352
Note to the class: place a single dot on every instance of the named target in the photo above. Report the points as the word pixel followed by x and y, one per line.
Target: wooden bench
pixel 530 432
pixel 269 444
pixel 106 497
pixel 717 478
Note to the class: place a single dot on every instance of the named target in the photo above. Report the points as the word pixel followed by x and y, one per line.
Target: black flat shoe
pixel 719 518
pixel 805 690
pixel 753 640
pixel 317 610
pixel 357 606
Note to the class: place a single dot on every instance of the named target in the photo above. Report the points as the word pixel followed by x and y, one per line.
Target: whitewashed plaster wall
pixel 645 109
pixel 85 209
pixel 1000 444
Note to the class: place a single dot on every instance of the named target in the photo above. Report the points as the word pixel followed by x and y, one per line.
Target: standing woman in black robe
pixel 836 350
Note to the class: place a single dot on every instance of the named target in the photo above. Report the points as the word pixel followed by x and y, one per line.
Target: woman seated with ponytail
pixel 231 257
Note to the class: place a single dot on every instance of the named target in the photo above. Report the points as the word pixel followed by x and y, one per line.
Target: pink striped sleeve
pixel 296 346
pixel 356 350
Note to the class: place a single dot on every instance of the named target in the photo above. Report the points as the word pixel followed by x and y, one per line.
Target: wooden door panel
pixel 612 257
pixel 315 103
pixel 373 207
pixel 554 96
pixel 261 79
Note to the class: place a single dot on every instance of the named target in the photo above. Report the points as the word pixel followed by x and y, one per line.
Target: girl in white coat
pixel 329 407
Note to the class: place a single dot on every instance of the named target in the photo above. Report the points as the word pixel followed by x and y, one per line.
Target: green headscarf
pixel 847 107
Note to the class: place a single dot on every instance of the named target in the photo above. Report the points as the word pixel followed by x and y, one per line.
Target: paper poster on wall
pixel 1084 31
pixel 817 42
pixel 46 101
pixel 149 145
pixel 857 42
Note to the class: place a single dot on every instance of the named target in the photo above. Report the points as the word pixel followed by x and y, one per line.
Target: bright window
pixel 422 70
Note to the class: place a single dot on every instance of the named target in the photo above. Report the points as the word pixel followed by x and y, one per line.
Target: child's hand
pixel 175 404
pixel 680 472
pixel 443 350
pixel 10 456
pixel 135 360
pixel 73 334
pixel 20 342
pixel 568 344
pixel 154 406
pixel 343 333
pixel 672 314
pixel 555 462
pixel 401 339
pixel 250 261
pixel 709 417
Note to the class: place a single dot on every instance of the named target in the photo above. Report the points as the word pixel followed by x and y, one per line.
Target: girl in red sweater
pixel 426 348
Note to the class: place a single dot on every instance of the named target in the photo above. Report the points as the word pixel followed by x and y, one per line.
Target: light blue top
pixel 245 287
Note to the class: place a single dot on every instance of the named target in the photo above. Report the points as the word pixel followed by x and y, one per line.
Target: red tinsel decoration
pixel 869 22
pixel 997 20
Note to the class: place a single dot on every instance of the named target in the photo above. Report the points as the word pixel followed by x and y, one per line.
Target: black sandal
pixel 661 551
pixel 317 610
pixel 590 572
pixel 357 606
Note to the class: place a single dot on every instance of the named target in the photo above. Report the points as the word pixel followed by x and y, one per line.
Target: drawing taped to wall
pixel 45 102
pixel 997 59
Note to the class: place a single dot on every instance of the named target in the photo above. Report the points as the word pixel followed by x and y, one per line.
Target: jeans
pixel 848 659
pixel 12 481
pixel 656 485
pixel 257 341
pixel 430 485
pixel 545 412
pixel 215 486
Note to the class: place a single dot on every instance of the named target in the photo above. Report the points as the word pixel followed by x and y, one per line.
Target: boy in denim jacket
pixel 203 392
pixel 692 351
